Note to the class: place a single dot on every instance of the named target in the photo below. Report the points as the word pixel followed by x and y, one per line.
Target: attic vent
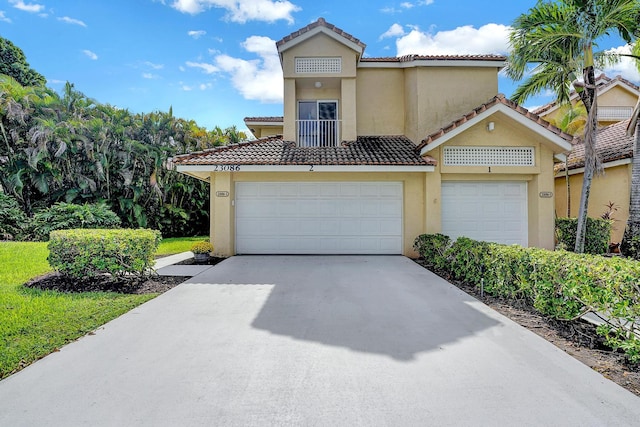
pixel 488 156
pixel 318 65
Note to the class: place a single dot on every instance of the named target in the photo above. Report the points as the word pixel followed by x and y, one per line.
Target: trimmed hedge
pixel 597 236
pixel 89 253
pixel 559 284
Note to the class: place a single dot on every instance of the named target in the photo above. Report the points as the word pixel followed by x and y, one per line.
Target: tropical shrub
pixel 433 248
pixel 559 284
pixel 64 216
pixel 630 245
pixel 88 253
pixel 597 236
pixel 12 218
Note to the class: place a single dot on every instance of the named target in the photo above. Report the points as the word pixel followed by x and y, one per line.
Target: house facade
pixel 617 98
pixel 372 152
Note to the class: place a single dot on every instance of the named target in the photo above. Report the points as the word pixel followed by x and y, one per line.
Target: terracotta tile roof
pixel 320 23
pixel 612 143
pixel 366 150
pixel 602 81
pixel 409 58
pixel 274 119
pixel 498 99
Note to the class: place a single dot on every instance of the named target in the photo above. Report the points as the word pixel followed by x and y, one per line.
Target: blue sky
pixel 215 61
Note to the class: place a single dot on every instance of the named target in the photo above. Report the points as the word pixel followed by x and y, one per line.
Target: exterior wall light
pixel 318 85
pixel 491 126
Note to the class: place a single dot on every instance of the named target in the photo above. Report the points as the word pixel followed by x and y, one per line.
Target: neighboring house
pixel 616 99
pixel 615 151
pixel 261 127
pixel 373 152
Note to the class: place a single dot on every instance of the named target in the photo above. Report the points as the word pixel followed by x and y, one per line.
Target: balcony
pixel 318 133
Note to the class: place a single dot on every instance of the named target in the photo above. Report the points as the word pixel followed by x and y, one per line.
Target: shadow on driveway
pixel 382 304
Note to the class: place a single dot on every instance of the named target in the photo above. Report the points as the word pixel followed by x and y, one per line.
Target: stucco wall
pixel 613 186
pixel 262 131
pixel 439 95
pixel 539 178
pixel 223 211
pixel 320 45
pixel 380 101
pixel 617 97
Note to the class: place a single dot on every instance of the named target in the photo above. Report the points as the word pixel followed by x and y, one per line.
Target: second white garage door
pixel 318 217
pixel 487 211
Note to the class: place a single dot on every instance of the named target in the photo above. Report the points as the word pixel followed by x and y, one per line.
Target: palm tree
pixel 559 37
pixel 633 223
pixel 571 119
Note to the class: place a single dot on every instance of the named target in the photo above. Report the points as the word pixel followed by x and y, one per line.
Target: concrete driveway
pixel 313 340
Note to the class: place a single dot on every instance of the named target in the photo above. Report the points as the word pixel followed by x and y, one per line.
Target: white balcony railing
pixel 318 133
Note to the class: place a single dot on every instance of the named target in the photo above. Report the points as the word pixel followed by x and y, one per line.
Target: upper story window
pixel 488 156
pixel 318 65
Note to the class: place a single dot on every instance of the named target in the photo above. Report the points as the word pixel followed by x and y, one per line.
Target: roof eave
pixel 435 63
pixel 358 48
pixel 560 144
pixel 198 170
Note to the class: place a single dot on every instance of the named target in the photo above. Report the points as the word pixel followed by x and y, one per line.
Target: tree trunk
pixel 566 176
pixel 590 159
pixel 634 203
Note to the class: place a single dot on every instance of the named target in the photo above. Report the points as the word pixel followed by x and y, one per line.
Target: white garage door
pixel 487 211
pixel 318 217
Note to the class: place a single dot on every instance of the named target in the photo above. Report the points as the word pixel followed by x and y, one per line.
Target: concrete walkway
pixel 317 340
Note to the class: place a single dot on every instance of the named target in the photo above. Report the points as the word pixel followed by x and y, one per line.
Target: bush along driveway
pixel 316 340
pixel 559 284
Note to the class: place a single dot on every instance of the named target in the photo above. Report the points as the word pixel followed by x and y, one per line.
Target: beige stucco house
pixel 617 98
pixel 615 151
pixel 372 152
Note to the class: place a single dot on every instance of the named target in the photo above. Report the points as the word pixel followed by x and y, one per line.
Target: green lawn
pixel 175 245
pixel 34 323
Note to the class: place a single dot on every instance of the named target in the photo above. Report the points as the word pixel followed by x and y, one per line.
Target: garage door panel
pixel 488 211
pixel 334 217
pixel 349 189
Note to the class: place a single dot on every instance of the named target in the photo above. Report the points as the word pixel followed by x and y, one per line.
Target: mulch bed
pixel 125 285
pixel 576 338
pixel 211 261
pixel 151 284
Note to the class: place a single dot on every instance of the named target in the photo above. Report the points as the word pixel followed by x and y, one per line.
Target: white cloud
pixel 207 68
pixel 405 5
pixel 490 38
pixel 627 67
pixel 205 86
pixel 3 18
pixel 258 79
pixel 90 54
pixel 150 76
pixel 154 66
pixel 242 10
pixel 32 7
pixel 196 34
pixel 395 30
pixel 72 21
